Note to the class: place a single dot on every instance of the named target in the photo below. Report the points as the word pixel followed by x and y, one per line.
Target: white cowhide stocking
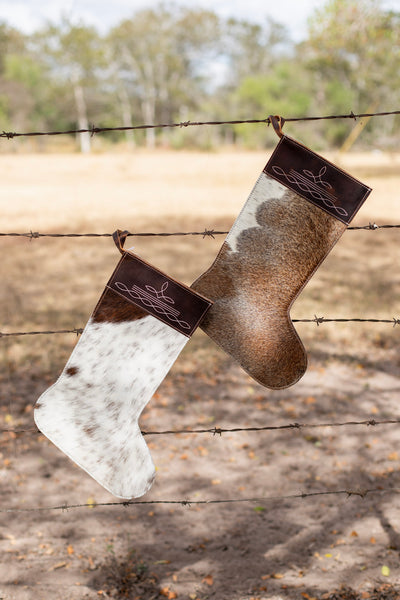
pixel 298 209
pixel 138 328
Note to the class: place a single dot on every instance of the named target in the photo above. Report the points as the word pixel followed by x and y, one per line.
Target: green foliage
pixel 285 90
pixel 176 63
pixel 355 46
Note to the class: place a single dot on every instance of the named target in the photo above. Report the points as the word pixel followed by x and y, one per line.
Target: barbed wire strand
pixel 317 320
pixel 32 235
pixel 35 234
pixel 220 430
pixel 93 130
pixel 361 493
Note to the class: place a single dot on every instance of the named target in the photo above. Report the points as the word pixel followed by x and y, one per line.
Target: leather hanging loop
pixel 119 238
pixel 277 123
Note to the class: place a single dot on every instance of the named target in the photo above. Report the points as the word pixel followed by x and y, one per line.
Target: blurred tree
pixel 353 51
pixel 253 48
pixel 258 67
pixel 74 58
pixel 284 90
pixel 159 57
pixel 14 99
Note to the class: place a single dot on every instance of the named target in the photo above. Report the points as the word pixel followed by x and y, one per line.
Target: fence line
pixel 220 430
pixel 35 234
pixel 317 320
pixel 361 493
pixel 266 121
pixel 32 235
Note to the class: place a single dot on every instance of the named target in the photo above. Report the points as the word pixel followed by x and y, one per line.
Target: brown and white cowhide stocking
pixel 138 328
pixel 298 209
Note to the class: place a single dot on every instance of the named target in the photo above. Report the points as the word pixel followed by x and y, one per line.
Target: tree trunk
pixel 126 116
pixel 81 110
pixel 148 111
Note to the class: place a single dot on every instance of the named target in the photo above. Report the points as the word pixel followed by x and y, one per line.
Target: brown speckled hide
pixel 274 247
pixel 92 411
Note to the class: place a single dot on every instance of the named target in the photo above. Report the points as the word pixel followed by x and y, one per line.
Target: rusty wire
pixel 317 320
pixel 32 235
pixel 220 430
pixel 361 493
pixel 210 233
pixel 93 130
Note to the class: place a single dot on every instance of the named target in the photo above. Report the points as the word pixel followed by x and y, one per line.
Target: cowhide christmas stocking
pixel 138 328
pixel 298 209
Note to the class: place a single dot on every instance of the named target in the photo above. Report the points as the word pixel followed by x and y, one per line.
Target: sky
pixel 28 15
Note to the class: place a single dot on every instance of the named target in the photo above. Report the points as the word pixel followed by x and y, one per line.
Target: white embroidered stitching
pixel 153 301
pixel 312 184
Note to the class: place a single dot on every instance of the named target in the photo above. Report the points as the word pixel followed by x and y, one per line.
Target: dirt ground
pixel 269 543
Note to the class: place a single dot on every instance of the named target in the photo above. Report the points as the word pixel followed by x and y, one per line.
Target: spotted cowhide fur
pixel 91 413
pixel 275 245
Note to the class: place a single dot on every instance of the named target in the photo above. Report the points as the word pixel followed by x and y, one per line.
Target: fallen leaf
pixel 91 502
pixel 372 540
pixel 354 534
pixel 209 580
pixel 162 562
pixel 165 591
pixel 277 575
pixel 70 550
pixel 59 565
pixel 385 571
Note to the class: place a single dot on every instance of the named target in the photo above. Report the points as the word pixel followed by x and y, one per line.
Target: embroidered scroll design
pixel 313 185
pixel 155 300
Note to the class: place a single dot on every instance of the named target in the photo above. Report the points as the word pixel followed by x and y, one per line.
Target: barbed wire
pixel 220 430
pixel 35 234
pixel 317 320
pixel 32 235
pixel 93 130
pixel 76 330
pixel 361 493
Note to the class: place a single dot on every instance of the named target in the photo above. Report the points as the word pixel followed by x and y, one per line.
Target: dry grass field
pixel 322 546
